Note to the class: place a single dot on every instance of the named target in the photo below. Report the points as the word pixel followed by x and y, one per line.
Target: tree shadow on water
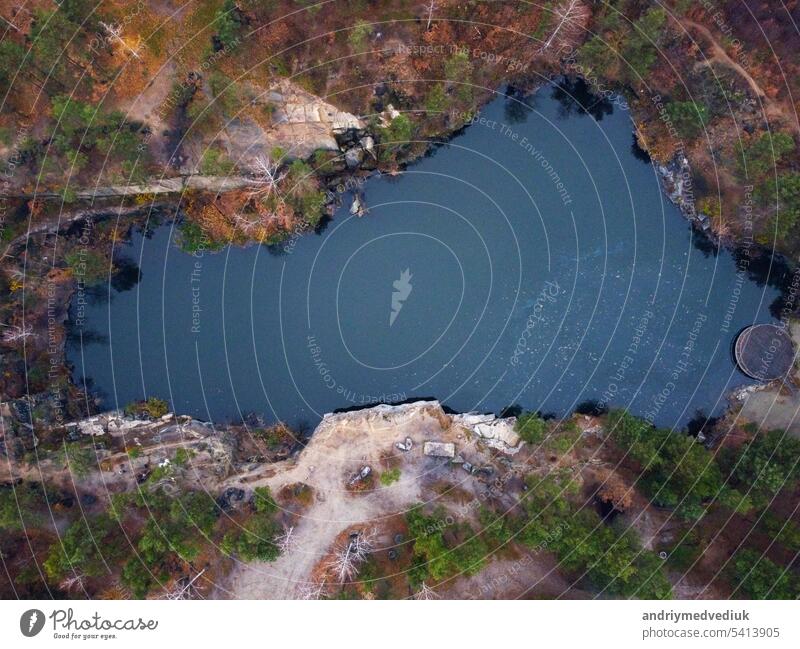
pixel 704 244
pixel 517 106
pixel 126 276
pixel 700 423
pixel 591 407
pixel 514 410
pixel 77 336
pixel 575 97
pixel 638 152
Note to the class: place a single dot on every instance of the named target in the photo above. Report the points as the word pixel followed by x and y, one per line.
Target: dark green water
pixel 522 291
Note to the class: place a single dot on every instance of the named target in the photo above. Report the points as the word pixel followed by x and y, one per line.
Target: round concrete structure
pixel 764 352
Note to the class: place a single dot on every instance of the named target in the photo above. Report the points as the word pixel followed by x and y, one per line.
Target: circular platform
pixel 764 352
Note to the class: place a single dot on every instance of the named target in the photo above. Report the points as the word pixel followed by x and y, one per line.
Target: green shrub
pixel 395 136
pixel 688 117
pixel 182 456
pixel 229 22
pixel 458 70
pixel 80 460
pixel 263 501
pixel 735 500
pixel 620 48
pixel 76 120
pixel 87 266
pixel 83 127
pixel 786 532
pixel 202 115
pixel 596 55
pixel 785 190
pixel 433 558
pixel 215 163
pixel 255 540
pixel 634 437
pixel 677 471
pixel 458 67
pixel 226 94
pixel 688 550
pixel 193 239
pixel 76 160
pixel 11 57
pixel 275 436
pixel 52 36
pixel 326 162
pixel 196 510
pixel 359 34
pixel 176 526
pixel 498 529
pixel 153 407
pixel 757 577
pixel 640 47
pixel 531 428
pixel 175 529
pixel 18 506
pixel 763 154
pixel 564 438
pixel 137 578
pixel 81 549
pixel 436 101
pixel 611 559
pixel 390 477
pixel 767 465
pixel 305 196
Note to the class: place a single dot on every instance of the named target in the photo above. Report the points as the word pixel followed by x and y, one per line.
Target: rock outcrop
pixel 499 433
pixel 302 123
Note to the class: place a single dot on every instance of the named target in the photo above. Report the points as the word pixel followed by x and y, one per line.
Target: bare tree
pixel 313 591
pixel 347 561
pixel 184 592
pixel 115 34
pixel 15 333
pixel 287 541
pixel 431 7
pixel 245 223
pixel 267 176
pixel 426 592
pixel 571 13
pixel 67 584
pixel 9 23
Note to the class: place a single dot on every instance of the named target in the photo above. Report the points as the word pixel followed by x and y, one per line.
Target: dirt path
pixel 718 53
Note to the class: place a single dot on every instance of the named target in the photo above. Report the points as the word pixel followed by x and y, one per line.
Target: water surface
pixel 545 269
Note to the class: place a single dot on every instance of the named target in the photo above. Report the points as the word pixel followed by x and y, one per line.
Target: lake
pixel 532 261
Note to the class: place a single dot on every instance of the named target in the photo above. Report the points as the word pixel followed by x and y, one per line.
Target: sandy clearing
pixel 341 445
